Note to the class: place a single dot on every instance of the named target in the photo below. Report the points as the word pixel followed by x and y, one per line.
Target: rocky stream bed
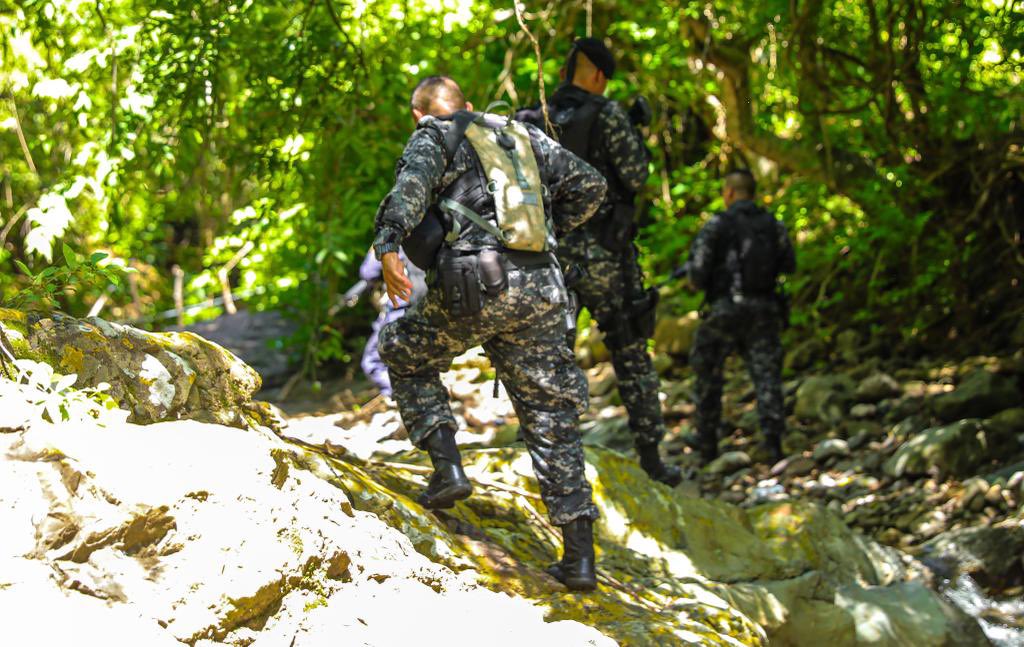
pixel 896 518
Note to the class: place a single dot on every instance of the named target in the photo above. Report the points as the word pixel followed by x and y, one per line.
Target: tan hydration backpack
pixel 513 180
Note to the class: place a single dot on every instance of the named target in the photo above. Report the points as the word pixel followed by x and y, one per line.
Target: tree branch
pixel 738 102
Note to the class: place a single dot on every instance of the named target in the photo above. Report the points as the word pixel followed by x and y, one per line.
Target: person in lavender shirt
pixel 371 272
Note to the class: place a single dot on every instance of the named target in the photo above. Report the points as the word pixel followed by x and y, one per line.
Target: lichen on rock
pixel 155 376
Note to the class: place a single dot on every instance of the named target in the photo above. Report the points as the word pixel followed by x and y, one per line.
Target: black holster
pixel 785 304
pixel 466 280
pixel 635 323
pixel 619 228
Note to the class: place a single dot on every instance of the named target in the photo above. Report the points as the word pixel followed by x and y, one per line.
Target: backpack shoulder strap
pixel 453 138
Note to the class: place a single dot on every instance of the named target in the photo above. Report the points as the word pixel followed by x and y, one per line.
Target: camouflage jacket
pixel 708 264
pixel 575 189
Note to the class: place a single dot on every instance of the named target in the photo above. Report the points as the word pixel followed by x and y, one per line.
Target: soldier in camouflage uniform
pixel 522 329
pixel 603 133
pixel 736 259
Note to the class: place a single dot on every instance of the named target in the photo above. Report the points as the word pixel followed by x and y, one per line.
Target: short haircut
pixel 438 96
pixel 742 182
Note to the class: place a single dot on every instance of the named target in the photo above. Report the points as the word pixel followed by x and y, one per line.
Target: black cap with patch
pixel 598 53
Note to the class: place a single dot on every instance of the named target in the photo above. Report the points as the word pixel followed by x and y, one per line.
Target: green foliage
pixel 886 135
pixel 59 280
pixel 52 397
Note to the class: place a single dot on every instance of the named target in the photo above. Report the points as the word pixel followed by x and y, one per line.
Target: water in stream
pixel 1002 620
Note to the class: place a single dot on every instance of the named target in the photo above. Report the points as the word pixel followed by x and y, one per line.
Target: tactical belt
pixel 515 259
pixel 529 260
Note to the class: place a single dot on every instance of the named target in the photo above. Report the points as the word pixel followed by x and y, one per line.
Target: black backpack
pixel 574 121
pixel 755 247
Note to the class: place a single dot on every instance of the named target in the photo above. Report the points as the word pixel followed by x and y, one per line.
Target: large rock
pixel 933 622
pixel 155 376
pixel 190 532
pixel 824 398
pixel 992 555
pixel 957 449
pixel 1007 424
pixel 196 532
pixel 674 335
pixel 980 395
pixel 255 338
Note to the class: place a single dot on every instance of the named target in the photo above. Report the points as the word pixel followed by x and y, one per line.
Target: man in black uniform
pixel 601 132
pixel 503 192
pixel 736 259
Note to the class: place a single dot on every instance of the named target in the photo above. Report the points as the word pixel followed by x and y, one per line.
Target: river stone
pixel 909 426
pixel 824 398
pixel 957 449
pixel 982 393
pixel 674 335
pixel 805 353
pixel 794 442
pixel 831 448
pixel 904 407
pixel 1007 424
pixel 749 421
pixel 155 376
pixel 863 411
pixel 992 555
pixel 877 387
pixel 601 379
pixel 974 490
pixel 728 463
pixel 848 344
pixel 798 466
pixel 926 619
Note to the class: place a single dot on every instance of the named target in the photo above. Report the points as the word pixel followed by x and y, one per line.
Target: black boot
pixel 707 446
pixel 651 461
pixel 576 570
pixel 771 448
pixel 448 483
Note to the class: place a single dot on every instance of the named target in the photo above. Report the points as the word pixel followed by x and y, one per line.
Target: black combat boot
pixel 448 483
pixel 651 461
pixel 576 570
pixel 771 448
pixel 707 446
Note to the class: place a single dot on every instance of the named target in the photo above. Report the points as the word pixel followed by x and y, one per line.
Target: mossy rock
pixel 674 570
pixel 155 376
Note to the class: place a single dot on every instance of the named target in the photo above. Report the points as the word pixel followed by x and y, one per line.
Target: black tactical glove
pixel 640 112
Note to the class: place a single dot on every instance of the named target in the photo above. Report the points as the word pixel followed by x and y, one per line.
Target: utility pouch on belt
pixel 460 284
pixel 619 228
pixel 492 274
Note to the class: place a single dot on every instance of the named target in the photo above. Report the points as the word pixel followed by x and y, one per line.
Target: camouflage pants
pixel 603 292
pixel 523 333
pixel 752 329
